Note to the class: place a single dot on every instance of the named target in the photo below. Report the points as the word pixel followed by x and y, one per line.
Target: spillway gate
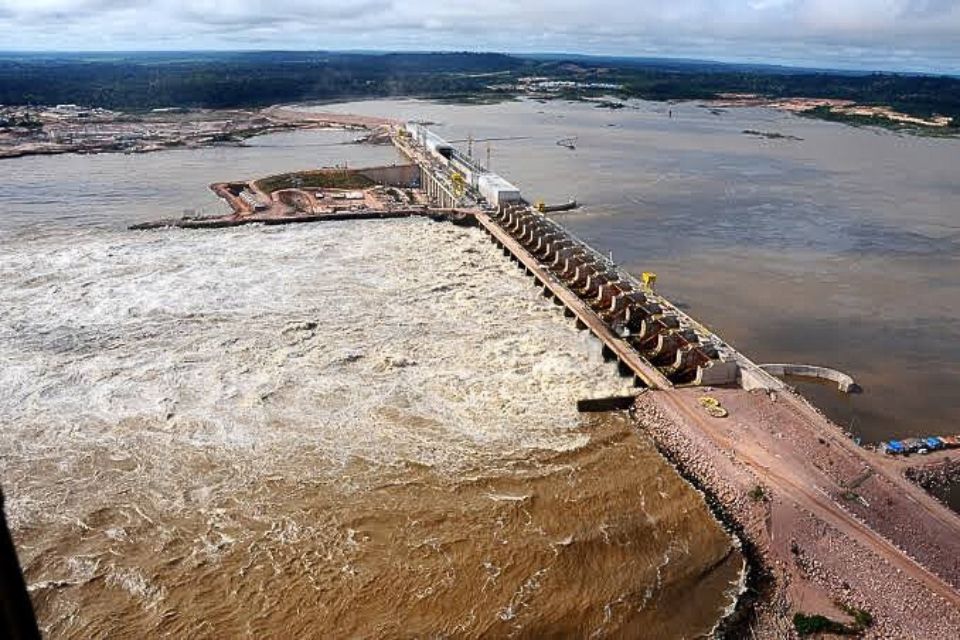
pixel 650 338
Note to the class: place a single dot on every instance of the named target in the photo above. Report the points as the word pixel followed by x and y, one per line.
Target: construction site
pixel 830 528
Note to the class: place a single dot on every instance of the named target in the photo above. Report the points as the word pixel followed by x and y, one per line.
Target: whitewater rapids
pixel 361 429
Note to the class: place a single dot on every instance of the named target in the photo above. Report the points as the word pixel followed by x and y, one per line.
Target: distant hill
pixel 144 80
pixel 690 65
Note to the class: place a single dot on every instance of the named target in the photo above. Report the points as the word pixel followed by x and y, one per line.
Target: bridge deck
pixel 643 370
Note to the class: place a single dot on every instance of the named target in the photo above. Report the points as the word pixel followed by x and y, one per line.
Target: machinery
pixel 459 183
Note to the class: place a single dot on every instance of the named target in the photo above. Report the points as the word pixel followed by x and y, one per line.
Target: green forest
pixel 140 81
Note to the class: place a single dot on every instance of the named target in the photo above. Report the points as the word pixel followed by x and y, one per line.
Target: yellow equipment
pixel 540 206
pixel 712 406
pixel 459 184
pixel 649 279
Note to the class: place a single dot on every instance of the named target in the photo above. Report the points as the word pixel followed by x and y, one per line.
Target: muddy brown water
pixel 602 541
pixel 337 430
pixel 209 435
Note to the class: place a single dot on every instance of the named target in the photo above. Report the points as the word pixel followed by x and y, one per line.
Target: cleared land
pixel 26 131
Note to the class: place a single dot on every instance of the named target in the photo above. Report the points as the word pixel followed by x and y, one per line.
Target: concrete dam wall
pixel 640 329
pixel 845 383
pixel 400 175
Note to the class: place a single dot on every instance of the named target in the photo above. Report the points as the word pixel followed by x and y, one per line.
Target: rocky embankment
pixel 761 609
pixel 806 556
pixel 938 475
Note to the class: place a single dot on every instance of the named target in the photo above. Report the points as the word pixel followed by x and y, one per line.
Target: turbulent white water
pixel 366 427
pixel 389 342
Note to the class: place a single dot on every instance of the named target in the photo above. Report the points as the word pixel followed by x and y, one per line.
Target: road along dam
pixel 831 529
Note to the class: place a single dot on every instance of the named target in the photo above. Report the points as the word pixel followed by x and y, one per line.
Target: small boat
pixel 543 207
pixel 569 143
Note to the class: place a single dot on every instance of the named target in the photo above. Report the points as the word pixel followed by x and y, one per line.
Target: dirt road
pixel 836 524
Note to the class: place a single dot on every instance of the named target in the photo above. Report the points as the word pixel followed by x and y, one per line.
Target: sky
pixel 895 35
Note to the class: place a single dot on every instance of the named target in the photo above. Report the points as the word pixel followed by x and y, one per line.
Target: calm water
pixel 347 430
pixel 111 191
pixel 840 249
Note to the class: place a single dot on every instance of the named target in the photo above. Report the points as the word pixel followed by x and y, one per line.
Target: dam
pixel 778 473
pixel 650 338
pixel 789 482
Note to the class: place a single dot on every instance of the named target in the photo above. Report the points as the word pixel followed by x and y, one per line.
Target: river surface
pixel 837 246
pixel 332 430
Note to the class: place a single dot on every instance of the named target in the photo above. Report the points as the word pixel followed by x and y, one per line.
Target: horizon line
pixel 744 62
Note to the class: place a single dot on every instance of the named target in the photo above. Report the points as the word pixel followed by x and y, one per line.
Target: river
pixel 833 245
pixel 343 429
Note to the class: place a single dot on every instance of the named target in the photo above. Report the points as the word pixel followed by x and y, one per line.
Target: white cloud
pixel 885 33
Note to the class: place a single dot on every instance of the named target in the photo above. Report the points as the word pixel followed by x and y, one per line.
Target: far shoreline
pixel 65 129
pixel 72 129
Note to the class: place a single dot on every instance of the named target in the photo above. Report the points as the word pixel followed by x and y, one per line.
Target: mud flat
pixel 836 109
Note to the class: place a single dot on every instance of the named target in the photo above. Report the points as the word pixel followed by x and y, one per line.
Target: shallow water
pixel 840 249
pixel 44 193
pixel 340 429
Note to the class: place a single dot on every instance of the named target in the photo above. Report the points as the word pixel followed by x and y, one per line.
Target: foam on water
pixel 390 342
pixel 363 427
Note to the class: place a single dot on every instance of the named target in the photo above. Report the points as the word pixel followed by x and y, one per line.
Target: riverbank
pixel 31 131
pixel 52 130
pixel 844 111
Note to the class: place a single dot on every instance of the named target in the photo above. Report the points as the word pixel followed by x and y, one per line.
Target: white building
pixel 497 191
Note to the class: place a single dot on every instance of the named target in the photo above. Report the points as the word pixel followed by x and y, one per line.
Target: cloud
pixel 921 34
pixel 33 9
pixel 293 12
